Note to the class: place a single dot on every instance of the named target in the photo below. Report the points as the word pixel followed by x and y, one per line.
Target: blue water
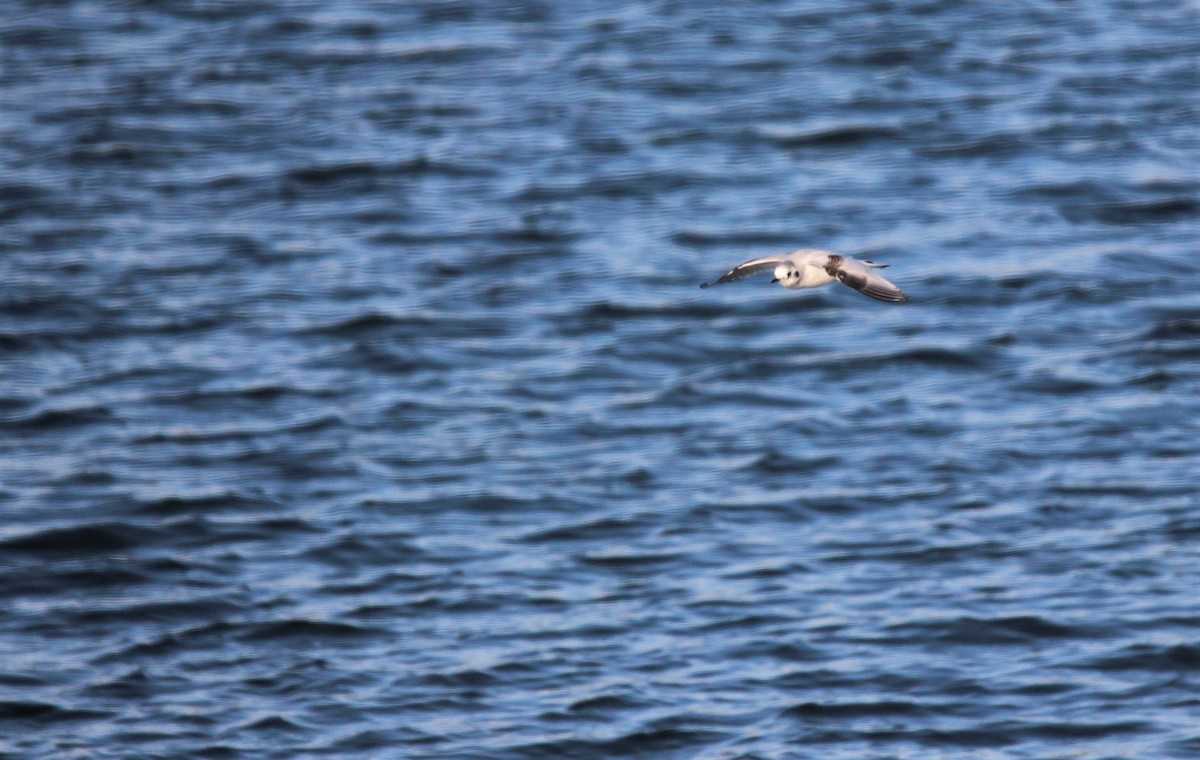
pixel 358 398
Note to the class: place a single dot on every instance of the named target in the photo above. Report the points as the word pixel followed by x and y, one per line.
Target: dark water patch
pixel 773 511
pixel 1058 385
pixel 649 743
pixel 769 571
pixel 14 712
pixel 817 711
pixel 1001 145
pixel 1065 191
pixel 1149 657
pixel 95 539
pixel 460 679
pixel 1143 490
pixel 604 529
pixel 484 503
pixel 13 342
pixel 1046 689
pixel 21 680
pixel 776 462
pixel 301 423
pixel 835 136
pixel 939 554
pixel 361 175
pixel 627 560
pixel 275 724
pixel 445 53
pixel 973 631
pixel 529 234
pixel 933 357
pixel 368 741
pixel 193 640
pixel 204 504
pixel 1153 380
pixel 1160 211
pixel 775 650
pixel 135 684
pixel 1181 329
pixel 1082 731
pixel 606 704
pixel 18 200
pixel 300 630
pixel 212 607
pixel 354 551
pixel 49 582
pixel 196 531
pixel 1185 748
pixel 967 737
pixel 1182 528
pixel 55 419
pixel 748 622
pixel 93 151
pixel 417 324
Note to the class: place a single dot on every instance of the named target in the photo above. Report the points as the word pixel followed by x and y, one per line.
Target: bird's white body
pixel 813 268
pixel 804 269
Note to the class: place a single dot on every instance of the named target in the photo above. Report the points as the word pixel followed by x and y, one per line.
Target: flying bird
pixel 812 268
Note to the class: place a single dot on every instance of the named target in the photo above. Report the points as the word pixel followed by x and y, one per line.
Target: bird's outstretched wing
pixel 855 274
pixel 753 266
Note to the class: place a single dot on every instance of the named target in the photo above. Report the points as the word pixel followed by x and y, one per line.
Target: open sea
pixel 358 400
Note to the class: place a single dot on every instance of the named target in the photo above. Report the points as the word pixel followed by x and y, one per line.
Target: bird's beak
pixel 774 279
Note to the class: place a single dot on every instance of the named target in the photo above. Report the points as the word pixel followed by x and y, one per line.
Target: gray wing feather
pixel 875 287
pixel 857 276
pixel 741 271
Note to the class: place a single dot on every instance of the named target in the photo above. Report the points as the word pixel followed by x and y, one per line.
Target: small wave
pixel 836 135
pixel 783 651
pixel 472 678
pixel 1160 211
pixel 1181 329
pixel 306 630
pixel 986 146
pixel 274 724
pixel 992 631
pixel 623 560
pixel 774 461
pixel 854 710
pixel 631 185
pixel 44 712
pixel 135 684
pixel 749 622
pixel 1166 659
pixel 206 503
pixel 83 540
pixel 1080 730
pixel 606 703
pixel 651 743
pixel 57 419
pixel 605 529
pixel 363 174
pixel 357 552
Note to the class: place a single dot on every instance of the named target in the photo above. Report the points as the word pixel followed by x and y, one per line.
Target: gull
pixel 812 268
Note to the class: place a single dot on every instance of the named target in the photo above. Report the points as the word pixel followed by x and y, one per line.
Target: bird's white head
pixel 787 274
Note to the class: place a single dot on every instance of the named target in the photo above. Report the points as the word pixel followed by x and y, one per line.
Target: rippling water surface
pixel 358 399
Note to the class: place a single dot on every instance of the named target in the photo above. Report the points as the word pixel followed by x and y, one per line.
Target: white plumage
pixel 812 268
